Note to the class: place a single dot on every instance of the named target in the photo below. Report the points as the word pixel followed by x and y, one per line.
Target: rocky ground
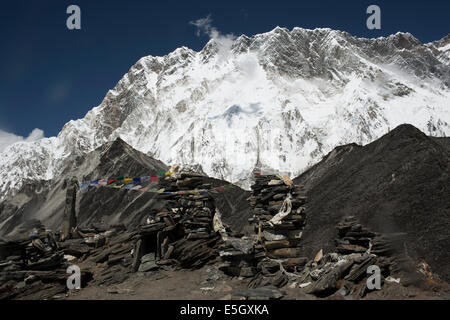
pixel 208 283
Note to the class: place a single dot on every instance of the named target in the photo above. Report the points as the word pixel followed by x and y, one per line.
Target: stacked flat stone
pixel 278 240
pixel 188 216
pixel 197 209
pixel 353 237
pixel 38 251
pixel 238 256
pixel 33 267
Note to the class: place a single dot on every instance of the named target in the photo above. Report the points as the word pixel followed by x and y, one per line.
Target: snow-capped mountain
pixel 281 100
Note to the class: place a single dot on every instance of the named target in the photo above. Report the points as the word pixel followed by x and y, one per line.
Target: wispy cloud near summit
pixel 224 41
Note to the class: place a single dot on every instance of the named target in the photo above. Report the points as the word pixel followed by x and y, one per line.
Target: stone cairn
pixel 279 218
pixel 353 237
pixel 34 267
pixel 272 257
pixel 344 272
pixel 181 233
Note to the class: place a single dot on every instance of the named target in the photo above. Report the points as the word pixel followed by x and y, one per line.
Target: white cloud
pixel 203 25
pixel 224 41
pixel 248 64
pixel 7 139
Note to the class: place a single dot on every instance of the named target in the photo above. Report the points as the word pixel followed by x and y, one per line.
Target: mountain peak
pixel 285 98
pixel 406 129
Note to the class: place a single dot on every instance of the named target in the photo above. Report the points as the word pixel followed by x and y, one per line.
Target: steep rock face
pixel 397 184
pixel 42 202
pixel 281 99
pixel 441 49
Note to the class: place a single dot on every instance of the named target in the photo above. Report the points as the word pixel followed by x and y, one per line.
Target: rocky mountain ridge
pixel 280 100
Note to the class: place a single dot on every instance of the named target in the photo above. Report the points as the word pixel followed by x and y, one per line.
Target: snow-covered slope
pixel 441 48
pixel 281 99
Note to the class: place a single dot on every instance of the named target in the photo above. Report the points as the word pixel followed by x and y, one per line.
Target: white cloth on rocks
pixel 284 211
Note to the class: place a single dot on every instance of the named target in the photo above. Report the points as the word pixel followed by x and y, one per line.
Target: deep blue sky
pixel 50 75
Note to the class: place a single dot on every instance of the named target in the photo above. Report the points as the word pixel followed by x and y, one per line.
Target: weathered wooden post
pixel 70 218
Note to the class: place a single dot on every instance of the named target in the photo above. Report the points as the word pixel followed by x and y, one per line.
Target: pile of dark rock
pixel 181 233
pixel 353 237
pixel 240 256
pixel 33 267
pixel 273 197
pixel 37 251
pixel 273 250
pixel 279 218
pixel 344 273
pixel 106 251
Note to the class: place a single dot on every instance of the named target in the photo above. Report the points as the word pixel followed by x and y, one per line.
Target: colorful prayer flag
pixel 84 186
